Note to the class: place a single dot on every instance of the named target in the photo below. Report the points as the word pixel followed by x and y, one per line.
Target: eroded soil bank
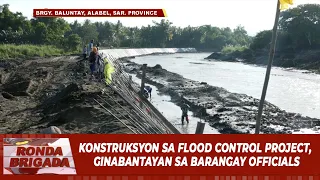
pixel 225 111
pixel 56 91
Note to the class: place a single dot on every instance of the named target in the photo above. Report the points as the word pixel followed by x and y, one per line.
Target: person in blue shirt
pixel 148 90
pixel 90 46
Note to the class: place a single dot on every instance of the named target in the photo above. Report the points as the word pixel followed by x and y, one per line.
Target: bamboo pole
pixel 271 57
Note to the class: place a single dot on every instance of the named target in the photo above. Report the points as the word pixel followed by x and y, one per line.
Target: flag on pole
pixel 284 4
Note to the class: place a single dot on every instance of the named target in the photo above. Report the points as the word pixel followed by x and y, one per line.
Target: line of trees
pixel 298 41
pixel 299 30
pixel 17 29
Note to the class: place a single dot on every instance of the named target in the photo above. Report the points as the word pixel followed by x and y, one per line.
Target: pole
pixel 200 127
pixel 130 82
pixel 271 57
pixel 143 79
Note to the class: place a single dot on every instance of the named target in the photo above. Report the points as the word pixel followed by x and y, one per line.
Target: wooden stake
pixel 143 79
pixel 200 127
pixel 130 82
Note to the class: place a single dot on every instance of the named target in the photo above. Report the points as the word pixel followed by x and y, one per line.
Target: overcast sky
pixel 254 15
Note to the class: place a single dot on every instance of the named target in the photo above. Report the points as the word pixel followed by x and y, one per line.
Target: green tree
pixel 73 42
pixel 56 31
pixel 302 24
pixel 162 31
pixel 261 40
pixel 40 33
pixel 241 36
pixel 88 31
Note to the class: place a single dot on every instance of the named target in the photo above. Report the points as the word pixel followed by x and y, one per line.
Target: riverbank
pixel 225 111
pixel 56 91
pixel 36 94
pixel 173 112
pixel 304 60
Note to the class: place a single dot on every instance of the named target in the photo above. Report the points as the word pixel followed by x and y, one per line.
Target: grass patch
pixel 11 51
pixel 231 49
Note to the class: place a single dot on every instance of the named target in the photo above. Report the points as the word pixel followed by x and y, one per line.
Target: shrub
pixel 10 51
pixel 231 49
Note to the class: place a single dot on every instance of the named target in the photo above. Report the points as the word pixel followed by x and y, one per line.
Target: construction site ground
pixel 36 94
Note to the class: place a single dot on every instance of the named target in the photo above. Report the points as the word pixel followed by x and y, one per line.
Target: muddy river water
pixel 173 112
pixel 291 90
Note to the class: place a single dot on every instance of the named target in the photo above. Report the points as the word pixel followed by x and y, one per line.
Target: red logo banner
pixel 165 155
pixel 99 13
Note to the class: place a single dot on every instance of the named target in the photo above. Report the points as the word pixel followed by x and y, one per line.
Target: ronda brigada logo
pixel 37 156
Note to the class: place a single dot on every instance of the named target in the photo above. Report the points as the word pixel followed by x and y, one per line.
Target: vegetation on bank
pixel 12 51
pixel 16 29
pixel 231 49
pixel 298 41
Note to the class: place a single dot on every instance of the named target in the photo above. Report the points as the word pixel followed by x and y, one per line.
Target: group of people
pixel 95 59
pixel 101 68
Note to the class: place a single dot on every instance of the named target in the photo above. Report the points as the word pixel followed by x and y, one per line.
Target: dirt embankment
pixel 225 111
pixel 39 93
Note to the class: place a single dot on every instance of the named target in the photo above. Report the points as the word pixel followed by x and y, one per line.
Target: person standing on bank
pixel 90 46
pixel 100 66
pixel 84 52
pixel 184 108
pixel 92 61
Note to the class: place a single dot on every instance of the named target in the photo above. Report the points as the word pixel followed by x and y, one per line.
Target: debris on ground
pixel 38 94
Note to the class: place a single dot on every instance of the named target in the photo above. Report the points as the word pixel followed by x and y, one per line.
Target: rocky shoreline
pixel 229 113
pixel 302 61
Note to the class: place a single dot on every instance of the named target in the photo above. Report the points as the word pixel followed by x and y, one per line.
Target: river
pixel 173 113
pixel 291 90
